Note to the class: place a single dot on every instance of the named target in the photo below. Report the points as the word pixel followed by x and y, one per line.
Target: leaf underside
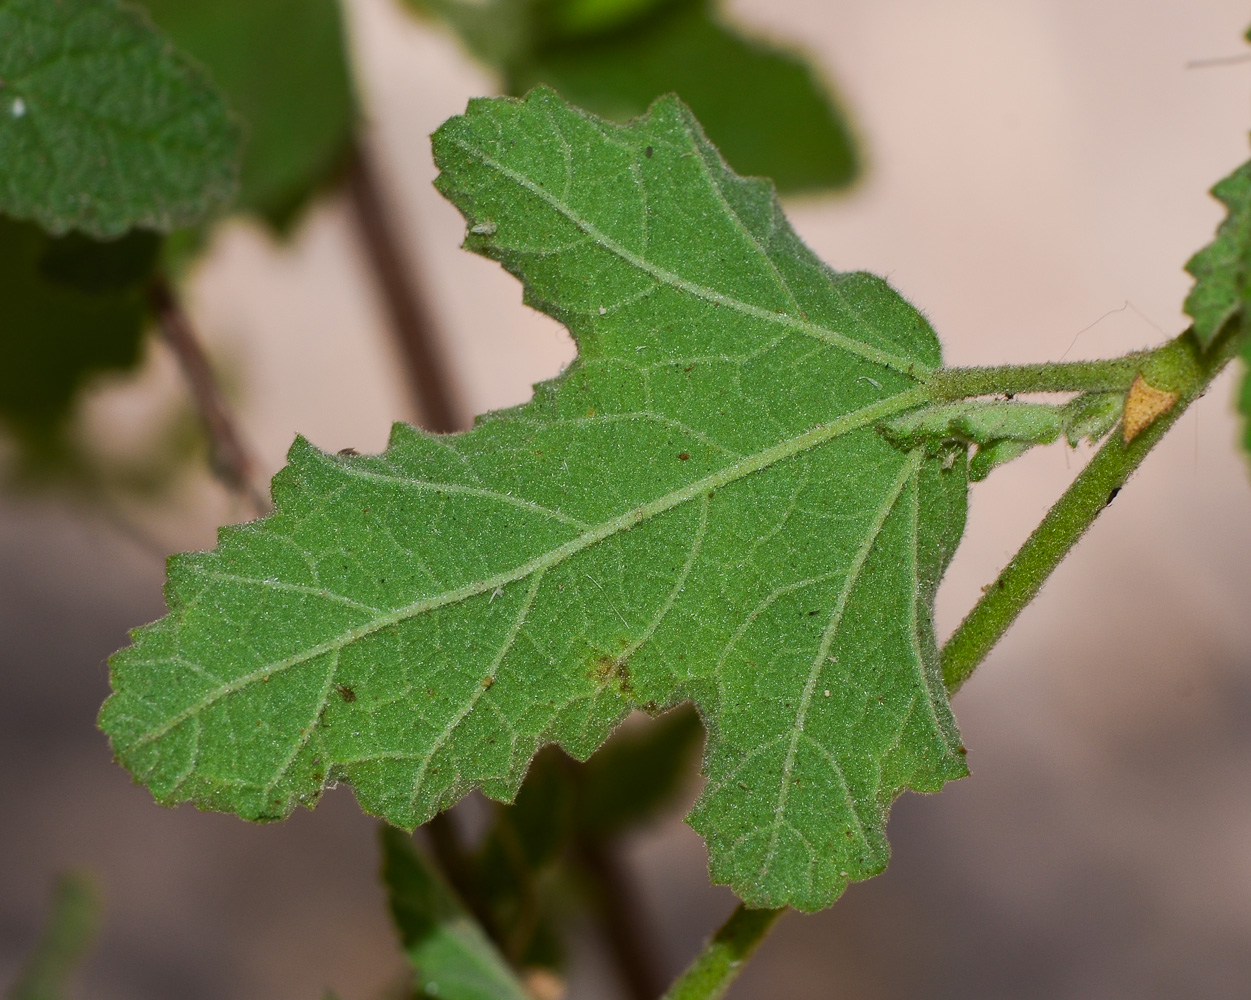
pixel 103 125
pixel 699 508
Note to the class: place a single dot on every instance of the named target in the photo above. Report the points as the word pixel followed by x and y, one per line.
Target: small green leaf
pixel 700 509
pixel 451 956
pixel 494 31
pixel 1222 269
pixel 103 125
pixel 284 66
pixel 978 422
pixel 1004 430
pixel 1091 416
pixel 65 939
pixel 579 18
pixel 73 308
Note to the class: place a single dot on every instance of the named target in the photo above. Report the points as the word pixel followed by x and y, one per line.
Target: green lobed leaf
pixel 103 124
pixel 1222 269
pixel 761 105
pixel 73 308
pixel 451 956
pixel 1004 429
pixel 65 939
pixel 284 66
pixel 698 509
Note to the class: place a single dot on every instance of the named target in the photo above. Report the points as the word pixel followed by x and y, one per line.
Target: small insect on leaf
pixel 1143 404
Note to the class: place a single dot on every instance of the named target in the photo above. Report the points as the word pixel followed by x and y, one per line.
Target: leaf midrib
pixel 886 359
pixel 807 441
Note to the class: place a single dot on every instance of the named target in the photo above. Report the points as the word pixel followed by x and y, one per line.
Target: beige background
pixel 1037 177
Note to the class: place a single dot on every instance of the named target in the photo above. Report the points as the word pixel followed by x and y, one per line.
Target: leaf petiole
pixel 1184 369
pixel 722 958
pixel 1111 375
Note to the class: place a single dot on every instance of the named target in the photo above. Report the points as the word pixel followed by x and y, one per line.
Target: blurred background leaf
pixel 74 308
pixel 762 105
pixel 451 956
pixel 283 65
pixel 65 939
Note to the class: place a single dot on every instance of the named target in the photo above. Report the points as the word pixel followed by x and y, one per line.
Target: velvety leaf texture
pixel 1222 269
pixel 700 508
pixel 284 66
pixel 103 125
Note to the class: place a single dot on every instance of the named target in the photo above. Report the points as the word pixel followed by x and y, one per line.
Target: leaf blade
pixel 583 554
pixel 296 98
pixel 104 125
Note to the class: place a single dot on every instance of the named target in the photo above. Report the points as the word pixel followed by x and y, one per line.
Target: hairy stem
pixel 1189 371
pixel 231 460
pixel 1179 366
pixel 1112 375
pixel 717 966
pixel 411 320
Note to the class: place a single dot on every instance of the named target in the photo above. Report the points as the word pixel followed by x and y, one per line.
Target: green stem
pixel 1179 366
pixel 1112 375
pixel 717 966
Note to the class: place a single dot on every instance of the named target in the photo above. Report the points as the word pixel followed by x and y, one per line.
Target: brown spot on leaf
pixel 648 152
pixel 684 456
pixel 345 692
pixel 608 670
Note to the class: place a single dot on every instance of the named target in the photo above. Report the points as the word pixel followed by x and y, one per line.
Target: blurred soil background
pixel 1036 178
